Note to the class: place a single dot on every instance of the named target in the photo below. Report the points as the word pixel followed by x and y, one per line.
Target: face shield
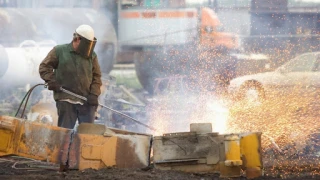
pixel 86 47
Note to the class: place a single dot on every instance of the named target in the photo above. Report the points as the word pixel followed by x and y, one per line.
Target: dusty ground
pixel 30 170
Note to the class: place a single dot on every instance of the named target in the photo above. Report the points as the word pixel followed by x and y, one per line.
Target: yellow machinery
pixel 94 146
pixel 202 150
pixel 77 150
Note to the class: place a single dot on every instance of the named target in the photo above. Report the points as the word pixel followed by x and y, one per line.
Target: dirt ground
pixel 28 169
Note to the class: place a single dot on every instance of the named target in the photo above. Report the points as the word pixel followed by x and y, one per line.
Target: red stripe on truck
pixel 160 14
pixel 130 14
pixel 171 14
pixel 148 14
pixel 191 14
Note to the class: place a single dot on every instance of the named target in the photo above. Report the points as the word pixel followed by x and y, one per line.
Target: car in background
pixel 300 76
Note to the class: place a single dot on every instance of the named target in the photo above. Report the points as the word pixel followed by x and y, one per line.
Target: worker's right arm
pixel 48 65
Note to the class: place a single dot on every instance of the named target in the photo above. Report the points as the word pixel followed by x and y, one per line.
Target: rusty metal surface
pixel 33 140
pixel 40 142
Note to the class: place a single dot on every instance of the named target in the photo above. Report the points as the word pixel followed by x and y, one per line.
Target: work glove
pixel 92 100
pixel 54 86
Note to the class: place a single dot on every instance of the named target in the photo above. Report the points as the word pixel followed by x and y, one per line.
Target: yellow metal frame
pixel 60 145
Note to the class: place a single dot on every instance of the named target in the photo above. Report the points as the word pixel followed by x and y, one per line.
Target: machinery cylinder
pixel 23 63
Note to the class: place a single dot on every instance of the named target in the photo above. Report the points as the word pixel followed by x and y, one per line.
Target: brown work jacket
pixel 72 71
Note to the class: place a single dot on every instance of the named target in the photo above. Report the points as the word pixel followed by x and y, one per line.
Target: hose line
pixel 26 96
pixel 78 96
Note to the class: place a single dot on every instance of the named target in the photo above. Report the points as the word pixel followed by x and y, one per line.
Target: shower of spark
pixel 286 119
pixel 175 114
pixel 290 137
pixel 221 114
pixel 287 125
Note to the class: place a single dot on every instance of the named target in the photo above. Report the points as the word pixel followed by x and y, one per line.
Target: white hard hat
pixel 86 31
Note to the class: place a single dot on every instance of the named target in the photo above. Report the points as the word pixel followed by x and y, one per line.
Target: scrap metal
pixel 202 150
pixel 75 149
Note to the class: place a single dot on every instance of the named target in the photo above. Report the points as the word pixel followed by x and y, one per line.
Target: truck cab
pixel 212 34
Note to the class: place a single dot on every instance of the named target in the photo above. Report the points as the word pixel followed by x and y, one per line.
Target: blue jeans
pixel 69 114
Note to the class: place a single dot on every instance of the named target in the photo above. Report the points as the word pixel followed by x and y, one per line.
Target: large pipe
pixel 23 63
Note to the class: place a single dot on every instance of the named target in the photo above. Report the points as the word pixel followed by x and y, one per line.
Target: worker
pixel 74 67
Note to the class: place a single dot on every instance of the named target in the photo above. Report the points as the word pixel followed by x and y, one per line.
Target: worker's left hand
pixel 92 100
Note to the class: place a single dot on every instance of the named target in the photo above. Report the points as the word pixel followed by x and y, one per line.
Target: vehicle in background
pixel 168 42
pixel 152 28
pixel 298 77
